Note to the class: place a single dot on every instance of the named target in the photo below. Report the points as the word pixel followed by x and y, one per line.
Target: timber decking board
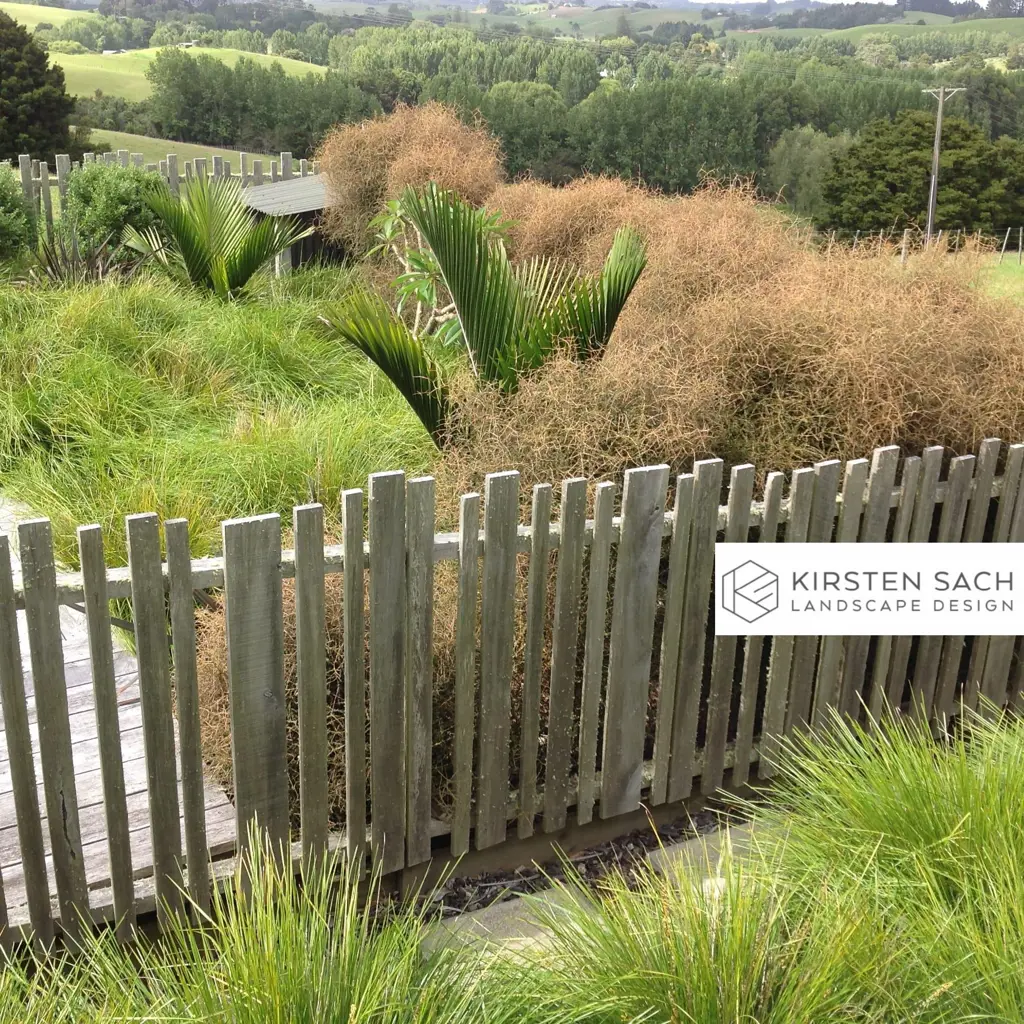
pixel 85 752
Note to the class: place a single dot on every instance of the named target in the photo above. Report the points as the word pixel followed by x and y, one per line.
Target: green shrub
pixel 65 46
pixel 15 225
pixel 103 198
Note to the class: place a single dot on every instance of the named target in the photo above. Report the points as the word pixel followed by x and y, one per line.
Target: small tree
pixel 34 105
pixel 211 238
pixel 15 226
pixel 509 319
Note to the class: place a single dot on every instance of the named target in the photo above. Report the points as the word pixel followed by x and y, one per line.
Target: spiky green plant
pixel 278 951
pixel 211 237
pixel 510 318
pixel 676 947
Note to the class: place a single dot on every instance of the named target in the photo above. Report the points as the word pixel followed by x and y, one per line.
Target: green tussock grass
pixel 924 838
pixel 884 883
pixel 282 954
pixel 146 397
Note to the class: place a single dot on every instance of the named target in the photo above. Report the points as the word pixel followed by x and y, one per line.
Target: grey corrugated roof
pixel 284 198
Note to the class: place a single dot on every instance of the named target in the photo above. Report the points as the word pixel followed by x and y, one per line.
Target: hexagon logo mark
pixel 750 591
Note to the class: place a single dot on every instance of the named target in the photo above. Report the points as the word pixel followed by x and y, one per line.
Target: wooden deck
pixel 220 817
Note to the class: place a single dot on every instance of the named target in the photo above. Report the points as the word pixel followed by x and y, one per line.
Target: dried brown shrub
pixel 369 163
pixel 742 341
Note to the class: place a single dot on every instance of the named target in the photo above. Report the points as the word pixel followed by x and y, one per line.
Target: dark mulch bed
pixel 623 854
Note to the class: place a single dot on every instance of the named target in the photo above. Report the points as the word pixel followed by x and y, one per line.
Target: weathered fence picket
pixel 536 606
pixel 387 669
pixel 564 641
pixel 255 649
pixel 108 728
pixel 497 608
pixel 42 611
pixel 597 663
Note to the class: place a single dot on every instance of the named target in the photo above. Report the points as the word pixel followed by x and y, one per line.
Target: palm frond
pixel 368 324
pixel 478 275
pixel 219 242
pixel 587 311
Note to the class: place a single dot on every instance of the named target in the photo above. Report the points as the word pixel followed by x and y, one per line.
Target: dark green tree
pixel 530 120
pixel 882 181
pixel 34 105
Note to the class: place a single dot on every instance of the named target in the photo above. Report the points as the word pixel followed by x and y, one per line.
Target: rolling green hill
pixel 31 15
pixel 154 150
pixel 124 74
pixel 1011 26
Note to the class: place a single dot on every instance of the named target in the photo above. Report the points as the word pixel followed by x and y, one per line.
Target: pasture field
pixel 31 15
pixel 154 150
pixel 1013 27
pixel 124 74
pixel 1005 280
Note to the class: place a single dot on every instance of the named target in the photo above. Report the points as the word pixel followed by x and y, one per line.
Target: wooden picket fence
pixel 38 178
pixel 644 704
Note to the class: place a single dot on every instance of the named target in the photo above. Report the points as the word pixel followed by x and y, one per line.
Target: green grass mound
pixel 147 397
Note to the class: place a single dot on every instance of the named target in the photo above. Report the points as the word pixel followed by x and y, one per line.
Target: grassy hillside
pixel 154 150
pixel 31 15
pixel 1011 26
pixel 124 74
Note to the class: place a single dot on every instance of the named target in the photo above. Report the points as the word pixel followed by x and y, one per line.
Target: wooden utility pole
pixel 941 94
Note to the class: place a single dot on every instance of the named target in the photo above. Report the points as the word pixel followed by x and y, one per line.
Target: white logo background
pixel 965 589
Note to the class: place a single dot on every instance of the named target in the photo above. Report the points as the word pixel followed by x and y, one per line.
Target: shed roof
pixel 285 198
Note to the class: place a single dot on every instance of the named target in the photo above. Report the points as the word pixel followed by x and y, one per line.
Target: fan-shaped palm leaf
pixel 213 237
pixel 587 311
pixel 367 323
pixel 477 273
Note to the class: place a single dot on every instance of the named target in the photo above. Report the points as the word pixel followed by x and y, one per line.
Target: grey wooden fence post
pixel 632 635
pixel 43 614
pixel 311 671
pixel 108 728
pixel 387 670
pixel 150 619
pixel 186 688
pixel 47 198
pixel 497 625
pixel 27 186
pixel 255 642
pixel 354 633
pixel 419 666
pixel 172 172
pixel 63 170
pixel 22 766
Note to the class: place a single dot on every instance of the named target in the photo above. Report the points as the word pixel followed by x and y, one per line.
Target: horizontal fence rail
pixel 585 678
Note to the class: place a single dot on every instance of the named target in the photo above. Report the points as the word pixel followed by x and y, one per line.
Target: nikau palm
pixel 212 237
pixel 511 319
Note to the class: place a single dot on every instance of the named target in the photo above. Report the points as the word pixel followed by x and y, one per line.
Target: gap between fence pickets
pixel 208 573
